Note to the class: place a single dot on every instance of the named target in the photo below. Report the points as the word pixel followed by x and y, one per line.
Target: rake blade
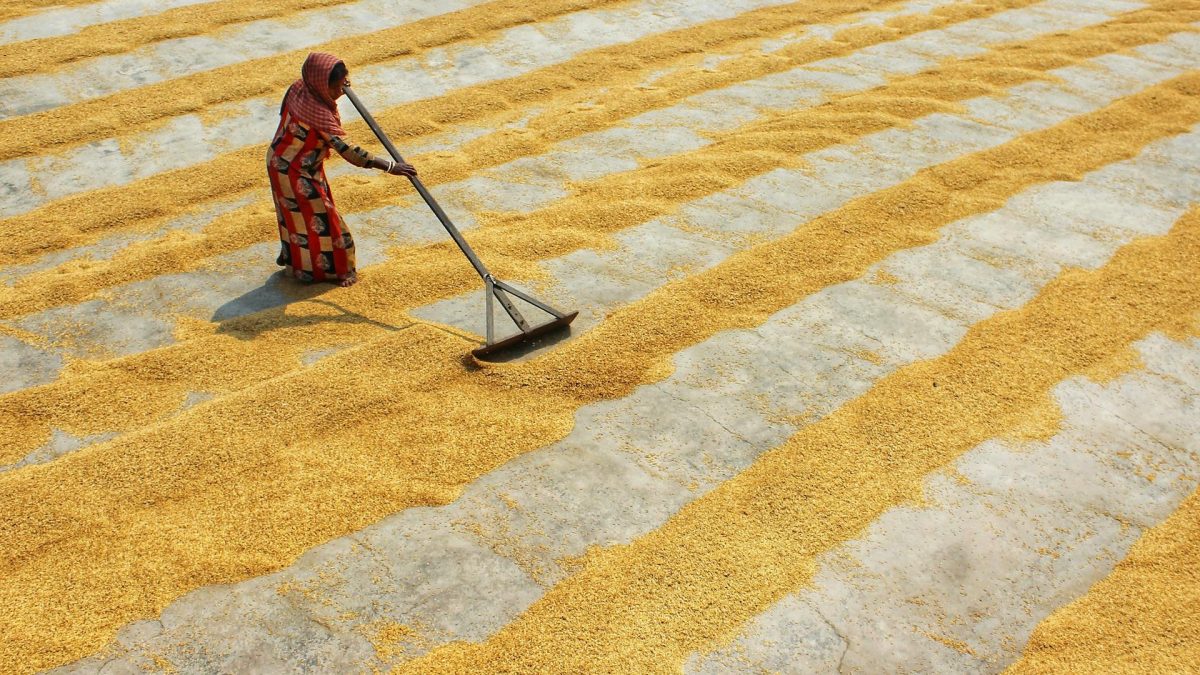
pixel 526 337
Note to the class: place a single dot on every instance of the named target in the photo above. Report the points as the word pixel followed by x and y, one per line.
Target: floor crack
pixel 704 412
pixel 1168 446
pixel 771 359
pixel 841 636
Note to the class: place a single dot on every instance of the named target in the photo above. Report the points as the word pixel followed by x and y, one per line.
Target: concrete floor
pixel 627 467
pixel 1011 531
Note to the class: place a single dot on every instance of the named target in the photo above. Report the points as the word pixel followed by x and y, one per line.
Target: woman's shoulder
pixel 299 130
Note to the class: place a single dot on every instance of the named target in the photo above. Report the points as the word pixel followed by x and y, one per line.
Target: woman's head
pixel 317 74
pixel 313 98
pixel 339 77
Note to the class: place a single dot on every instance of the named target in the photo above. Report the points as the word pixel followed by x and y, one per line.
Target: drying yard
pixel 888 354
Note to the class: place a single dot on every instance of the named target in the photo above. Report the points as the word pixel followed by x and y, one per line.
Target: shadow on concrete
pixel 279 290
pixel 262 309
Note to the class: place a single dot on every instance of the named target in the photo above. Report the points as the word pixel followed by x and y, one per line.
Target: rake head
pixel 496 290
pixel 526 338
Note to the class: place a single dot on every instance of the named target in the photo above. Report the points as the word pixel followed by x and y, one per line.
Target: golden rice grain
pixel 265 490
pixel 649 605
pixel 738 155
pixel 242 484
pixel 148 203
pixel 1144 617
pixel 48 54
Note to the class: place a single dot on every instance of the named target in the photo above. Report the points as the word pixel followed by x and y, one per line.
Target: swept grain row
pixel 132 502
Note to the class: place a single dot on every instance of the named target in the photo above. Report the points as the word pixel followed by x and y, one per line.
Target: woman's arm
pixel 359 157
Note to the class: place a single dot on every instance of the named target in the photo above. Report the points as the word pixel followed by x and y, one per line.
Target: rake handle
pixel 493 288
pixel 429 200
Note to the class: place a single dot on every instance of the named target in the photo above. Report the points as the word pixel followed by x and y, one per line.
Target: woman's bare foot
pixel 349 281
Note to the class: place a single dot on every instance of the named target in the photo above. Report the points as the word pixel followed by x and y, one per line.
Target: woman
pixel 314 242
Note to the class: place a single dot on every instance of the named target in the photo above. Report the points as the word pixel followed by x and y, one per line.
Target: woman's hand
pixel 403 169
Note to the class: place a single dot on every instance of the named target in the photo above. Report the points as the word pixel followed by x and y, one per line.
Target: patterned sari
pixel 316 245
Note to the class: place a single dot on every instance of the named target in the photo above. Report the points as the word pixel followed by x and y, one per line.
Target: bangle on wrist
pixel 391 165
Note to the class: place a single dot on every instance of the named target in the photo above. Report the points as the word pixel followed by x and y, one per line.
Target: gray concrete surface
pixel 137 317
pixel 1018 531
pixel 170 59
pixel 24 365
pixel 1010 534
pixel 628 465
pixel 57 21
pixel 188 139
pixel 60 443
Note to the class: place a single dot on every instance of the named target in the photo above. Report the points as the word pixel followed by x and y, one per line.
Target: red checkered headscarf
pixel 309 99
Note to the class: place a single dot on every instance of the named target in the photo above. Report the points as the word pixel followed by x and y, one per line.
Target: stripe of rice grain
pixel 1144 617
pixel 48 54
pixel 13 9
pixel 732 554
pixel 148 202
pixel 143 107
pixel 242 485
pixel 621 200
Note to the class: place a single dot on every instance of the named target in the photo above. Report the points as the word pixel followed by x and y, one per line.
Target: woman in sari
pixel 315 244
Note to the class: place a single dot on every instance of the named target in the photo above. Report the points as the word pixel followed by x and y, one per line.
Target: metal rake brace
pixel 493 287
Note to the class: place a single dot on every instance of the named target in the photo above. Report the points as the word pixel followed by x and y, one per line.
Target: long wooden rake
pixel 492 287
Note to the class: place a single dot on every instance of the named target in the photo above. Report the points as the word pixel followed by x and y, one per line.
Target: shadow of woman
pixel 264 309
